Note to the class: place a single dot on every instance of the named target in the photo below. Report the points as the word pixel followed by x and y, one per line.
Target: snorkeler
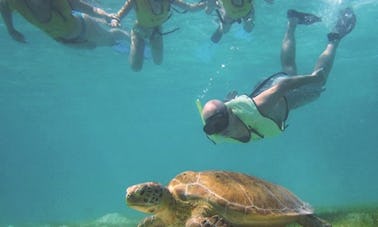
pixel 67 21
pixel 263 113
pixel 150 15
pixel 231 11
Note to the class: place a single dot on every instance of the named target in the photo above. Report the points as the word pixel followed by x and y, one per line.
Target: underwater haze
pixel 77 127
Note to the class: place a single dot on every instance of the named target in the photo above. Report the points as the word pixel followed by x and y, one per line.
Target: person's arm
pixel 90 9
pixel 192 7
pixel 125 9
pixel 6 14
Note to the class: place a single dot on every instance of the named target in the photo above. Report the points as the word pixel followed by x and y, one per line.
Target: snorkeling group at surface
pixel 80 24
pixel 242 118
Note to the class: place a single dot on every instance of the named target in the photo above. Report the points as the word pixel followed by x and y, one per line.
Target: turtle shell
pixel 238 197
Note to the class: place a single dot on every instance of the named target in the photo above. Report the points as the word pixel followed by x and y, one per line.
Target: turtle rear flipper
pixel 313 221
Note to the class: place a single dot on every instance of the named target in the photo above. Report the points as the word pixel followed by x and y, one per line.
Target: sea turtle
pixel 218 199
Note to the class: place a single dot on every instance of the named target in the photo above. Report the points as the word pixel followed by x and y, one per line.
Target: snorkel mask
pixel 217 122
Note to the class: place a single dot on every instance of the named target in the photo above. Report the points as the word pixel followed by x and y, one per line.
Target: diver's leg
pixel 227 23
pixel 288 44
pixel 344 26
pixel 217 35
pixel 288 48
pixel 325 60
pixel 136 50
pixel 223 28
pixel 156 41
pixel 249 21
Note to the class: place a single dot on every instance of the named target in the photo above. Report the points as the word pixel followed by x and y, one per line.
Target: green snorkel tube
pixel 199 108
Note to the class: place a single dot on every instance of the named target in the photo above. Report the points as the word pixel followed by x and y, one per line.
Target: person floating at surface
pixel 231 11
pixel 150 15
pixel 263 113
pixel 67 21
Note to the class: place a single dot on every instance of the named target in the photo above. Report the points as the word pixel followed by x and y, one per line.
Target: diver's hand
pixel 114 21
pixel 231 95
pixel 18 36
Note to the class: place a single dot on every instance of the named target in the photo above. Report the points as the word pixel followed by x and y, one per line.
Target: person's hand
pixel 18 36
pixel 231 95
pixel 114 21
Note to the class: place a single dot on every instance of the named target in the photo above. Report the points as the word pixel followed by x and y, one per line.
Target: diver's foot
pixel 217 35
pixel 303 18
pixel 344 25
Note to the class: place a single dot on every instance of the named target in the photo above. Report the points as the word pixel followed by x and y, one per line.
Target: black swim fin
pixel 303 18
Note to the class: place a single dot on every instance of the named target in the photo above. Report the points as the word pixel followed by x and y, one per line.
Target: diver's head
pixel 215 115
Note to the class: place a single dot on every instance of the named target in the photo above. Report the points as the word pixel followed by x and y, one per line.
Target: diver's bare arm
pixel 89 9
pixel 125 9
pixel 190 6
pixel 6 14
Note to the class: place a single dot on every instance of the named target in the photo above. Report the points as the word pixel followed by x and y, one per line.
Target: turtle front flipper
pixel 214 221
pixel 151 221
pixel 313 221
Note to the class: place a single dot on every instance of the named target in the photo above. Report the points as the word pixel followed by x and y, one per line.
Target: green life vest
pixel 146 17
pixel 61 23
pixel 259 126
pixel 237 11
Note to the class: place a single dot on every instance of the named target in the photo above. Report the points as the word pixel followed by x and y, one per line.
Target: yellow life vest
pixel 237 11
pixel 145 15
pixel 245 109
pixel 61 23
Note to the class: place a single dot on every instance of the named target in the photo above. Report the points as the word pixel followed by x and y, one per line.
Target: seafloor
pixel 338 217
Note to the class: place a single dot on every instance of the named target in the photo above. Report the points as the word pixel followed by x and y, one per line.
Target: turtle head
pixel 148 197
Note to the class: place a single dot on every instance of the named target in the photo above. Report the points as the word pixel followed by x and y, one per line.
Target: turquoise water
pixel 77 127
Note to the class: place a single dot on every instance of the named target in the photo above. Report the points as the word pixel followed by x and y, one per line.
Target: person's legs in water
pixel 137 46
pixel 96 33
pixel 217 35
pixel 249 21
pixel 288 44
pixel 309 93
pixel 297 97
pixel 224 26
pixel 156 42
pixel 344 25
